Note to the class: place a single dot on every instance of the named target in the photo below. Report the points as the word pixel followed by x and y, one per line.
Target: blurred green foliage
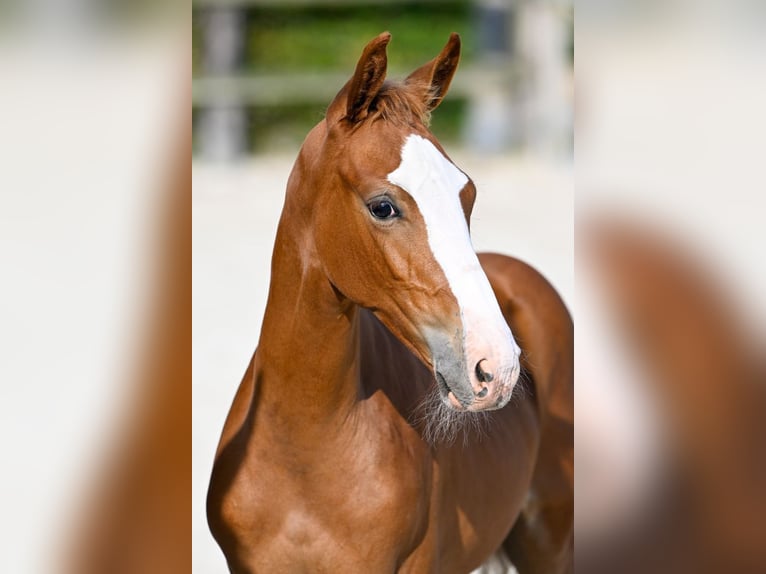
pixel 332 37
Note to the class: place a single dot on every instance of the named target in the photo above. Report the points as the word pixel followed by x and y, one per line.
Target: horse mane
pixel 401 103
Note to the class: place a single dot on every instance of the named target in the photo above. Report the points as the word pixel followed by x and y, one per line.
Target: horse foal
pixel 351 444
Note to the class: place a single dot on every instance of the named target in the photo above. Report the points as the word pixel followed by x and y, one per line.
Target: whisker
pixel 524 387
pixel 441 424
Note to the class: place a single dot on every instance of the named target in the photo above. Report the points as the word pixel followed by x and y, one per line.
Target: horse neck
pixel 307 367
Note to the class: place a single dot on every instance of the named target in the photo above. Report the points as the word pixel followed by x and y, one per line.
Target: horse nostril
pixel 482 375
pixel 483 392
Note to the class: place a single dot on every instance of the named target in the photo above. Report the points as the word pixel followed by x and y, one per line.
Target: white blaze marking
pixel 435 184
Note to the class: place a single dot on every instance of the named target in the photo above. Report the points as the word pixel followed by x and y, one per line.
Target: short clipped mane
pixel 400 103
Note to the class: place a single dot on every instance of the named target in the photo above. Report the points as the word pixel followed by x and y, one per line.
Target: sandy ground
pixel 524 208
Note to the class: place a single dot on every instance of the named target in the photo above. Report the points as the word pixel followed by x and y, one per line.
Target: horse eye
pixel 383 209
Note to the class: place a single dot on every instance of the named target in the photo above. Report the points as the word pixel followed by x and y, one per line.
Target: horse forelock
pixel 401 103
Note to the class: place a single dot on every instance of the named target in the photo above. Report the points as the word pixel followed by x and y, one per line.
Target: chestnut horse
pixel 370 432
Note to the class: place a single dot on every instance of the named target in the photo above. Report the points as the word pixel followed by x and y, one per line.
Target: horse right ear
pixel 353 101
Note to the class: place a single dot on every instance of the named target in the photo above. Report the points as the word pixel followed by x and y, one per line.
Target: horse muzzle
pixel 475 377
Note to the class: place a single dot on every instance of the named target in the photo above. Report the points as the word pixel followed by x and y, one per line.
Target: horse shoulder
pixel 359 500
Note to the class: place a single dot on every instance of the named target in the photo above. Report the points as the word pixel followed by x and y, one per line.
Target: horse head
pixel 386 215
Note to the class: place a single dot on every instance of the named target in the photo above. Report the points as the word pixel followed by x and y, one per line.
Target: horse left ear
pixel 353 101
pixel 436 76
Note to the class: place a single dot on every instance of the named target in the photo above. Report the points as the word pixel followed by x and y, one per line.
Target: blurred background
pixel 264 70
pixel 264 73
pixel 670 313
pixel 95 268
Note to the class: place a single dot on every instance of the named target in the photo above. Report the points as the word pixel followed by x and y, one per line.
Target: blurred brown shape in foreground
pixel 139 517
pixel 704 372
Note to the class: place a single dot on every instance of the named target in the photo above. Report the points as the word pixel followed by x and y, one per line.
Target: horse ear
pixel 353 101
pixel 436 75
